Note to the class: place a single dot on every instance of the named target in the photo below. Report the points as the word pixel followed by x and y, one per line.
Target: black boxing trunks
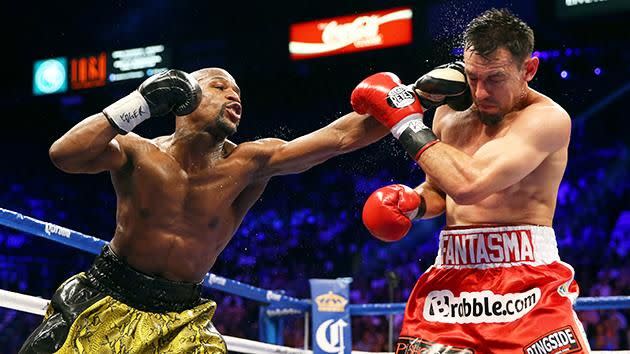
pixel 112 308
pixel 494 290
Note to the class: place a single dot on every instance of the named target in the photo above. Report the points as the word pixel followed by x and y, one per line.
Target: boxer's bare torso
pixel 175 217
pixel 532 199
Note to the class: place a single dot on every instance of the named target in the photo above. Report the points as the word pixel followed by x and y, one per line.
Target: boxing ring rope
pixel 93 245
pixel 282 304
pixel 37 306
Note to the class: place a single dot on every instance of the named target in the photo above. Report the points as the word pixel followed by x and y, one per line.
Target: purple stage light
pixel 564 74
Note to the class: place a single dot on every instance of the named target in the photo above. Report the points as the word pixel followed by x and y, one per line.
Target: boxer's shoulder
pixel 545 123
pixel 133 144
pixel 543 111
pixel 133 140
pixel 540 103
pixel 255 148
pixel 446 119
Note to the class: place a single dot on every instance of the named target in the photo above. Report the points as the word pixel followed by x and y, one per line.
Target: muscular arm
pixel 344 135
pixel 499 163
pixel 88 147
pixel 434 203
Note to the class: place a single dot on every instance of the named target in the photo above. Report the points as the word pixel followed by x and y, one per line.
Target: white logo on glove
pixel 400 97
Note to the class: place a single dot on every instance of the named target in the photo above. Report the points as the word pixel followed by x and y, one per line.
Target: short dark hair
pixel 496 28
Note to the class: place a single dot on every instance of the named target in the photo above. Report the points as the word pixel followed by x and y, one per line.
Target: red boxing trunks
pixel 498 289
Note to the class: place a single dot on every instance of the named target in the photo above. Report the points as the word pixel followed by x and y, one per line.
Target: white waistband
pixel 497 246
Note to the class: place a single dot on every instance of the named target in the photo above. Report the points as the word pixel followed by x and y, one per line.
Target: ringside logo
pixel 331 302
pixel 559 341
pixel 351 33
pixel 271 296
pixel 283 312
pixel 329 336
pixel 57 230
pixel 478 307
pixel 410 345
pixel 213 279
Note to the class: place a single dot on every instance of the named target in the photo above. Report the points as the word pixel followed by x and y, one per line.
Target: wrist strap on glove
pixel 126 113
pixel 414 135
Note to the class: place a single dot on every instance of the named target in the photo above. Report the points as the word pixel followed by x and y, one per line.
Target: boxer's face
pixel 220 109
pixel 497 82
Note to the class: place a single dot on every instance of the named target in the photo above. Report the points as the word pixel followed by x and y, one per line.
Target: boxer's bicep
pixel 91 146
pixel 113 158
pixel 504 162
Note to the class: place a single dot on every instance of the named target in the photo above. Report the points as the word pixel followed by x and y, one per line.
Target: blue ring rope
pixel 94 245
pixel 281 304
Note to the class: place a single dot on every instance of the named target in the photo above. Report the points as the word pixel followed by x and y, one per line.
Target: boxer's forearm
pixel 453 170
pixel 356 131
pixel 346 134
pixel 82 143
pixel 433 201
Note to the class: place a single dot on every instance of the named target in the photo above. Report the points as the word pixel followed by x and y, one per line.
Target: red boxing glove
pixel 386 99
pixel 388 212
pixel 395 106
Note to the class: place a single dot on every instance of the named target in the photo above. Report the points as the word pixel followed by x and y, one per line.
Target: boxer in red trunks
pixel 493 162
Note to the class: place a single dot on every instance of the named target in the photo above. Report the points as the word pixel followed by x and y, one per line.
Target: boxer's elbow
pixel 464 197
pixel 61 159
pixel 55 152
pixel 468 193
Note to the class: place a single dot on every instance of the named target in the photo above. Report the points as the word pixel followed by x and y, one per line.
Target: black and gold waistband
pixel 113 276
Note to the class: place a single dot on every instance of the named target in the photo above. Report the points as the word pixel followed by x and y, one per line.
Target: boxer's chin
pixel 490 118
pixel 226 126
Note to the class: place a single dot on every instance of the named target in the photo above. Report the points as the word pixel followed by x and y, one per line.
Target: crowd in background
pixel 288 237
pixel 309 225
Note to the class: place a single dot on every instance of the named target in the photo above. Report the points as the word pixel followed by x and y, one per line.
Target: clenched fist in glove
pixel 445 84
pixel 388 212
pixel 169 91
pixel 395 106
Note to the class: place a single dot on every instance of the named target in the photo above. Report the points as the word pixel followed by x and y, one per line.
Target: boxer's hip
pixel 116 278
pixel 112 308
pixel 494 289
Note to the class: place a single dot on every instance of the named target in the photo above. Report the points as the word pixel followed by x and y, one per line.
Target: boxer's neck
pixel 193 149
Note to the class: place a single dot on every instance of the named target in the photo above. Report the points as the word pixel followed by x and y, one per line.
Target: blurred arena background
pixel 307 225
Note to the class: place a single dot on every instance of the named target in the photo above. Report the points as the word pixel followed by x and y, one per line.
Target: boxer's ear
pixel 530 67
